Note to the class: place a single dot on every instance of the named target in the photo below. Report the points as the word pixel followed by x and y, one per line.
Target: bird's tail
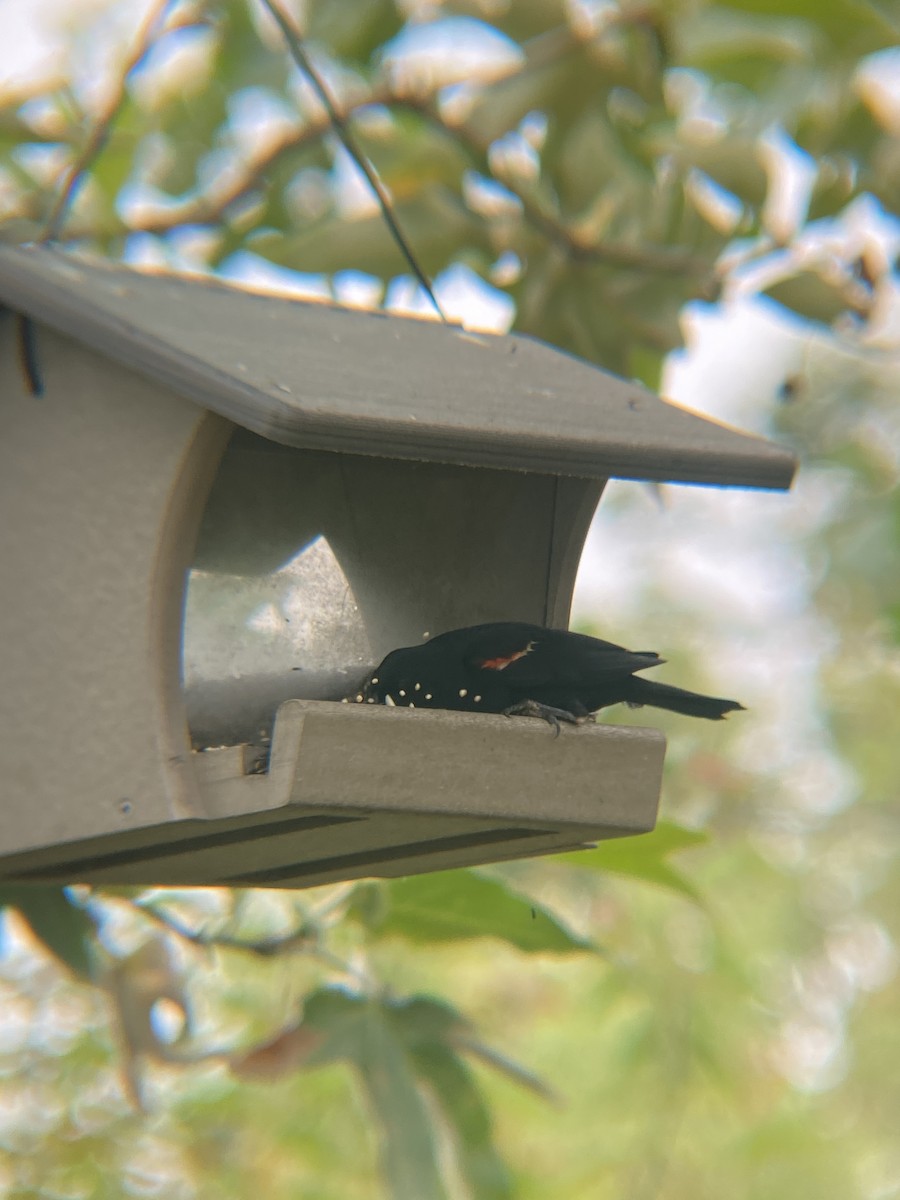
pixel 675 699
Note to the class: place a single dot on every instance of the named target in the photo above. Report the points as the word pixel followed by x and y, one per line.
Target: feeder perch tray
pixel 353 790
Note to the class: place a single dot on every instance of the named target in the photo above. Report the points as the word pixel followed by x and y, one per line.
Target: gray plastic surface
pixel 354 790
pixel 323 377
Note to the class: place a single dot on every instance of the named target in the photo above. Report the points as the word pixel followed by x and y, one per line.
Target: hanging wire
pixel 342 129
pixel 28 355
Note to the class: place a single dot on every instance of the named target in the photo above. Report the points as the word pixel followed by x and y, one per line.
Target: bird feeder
pixel 223 508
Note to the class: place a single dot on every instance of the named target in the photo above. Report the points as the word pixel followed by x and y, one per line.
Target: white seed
pixel 390 701
pixel 371 700
pixel 428 696
pixel 374 679
pixel 418 687
pixel 476 698
pixel 410 705
pixel 402 693
pixel 359 697
pixel 463 692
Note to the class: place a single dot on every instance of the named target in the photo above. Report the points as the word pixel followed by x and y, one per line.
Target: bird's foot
pixel 553 716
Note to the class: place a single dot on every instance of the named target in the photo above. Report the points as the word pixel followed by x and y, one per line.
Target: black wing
pixel 530 656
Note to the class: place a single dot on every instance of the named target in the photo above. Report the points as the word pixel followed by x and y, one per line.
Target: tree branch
pixel 211 208
pixel 146 35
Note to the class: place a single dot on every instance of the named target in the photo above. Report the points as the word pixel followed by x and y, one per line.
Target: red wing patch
pixel 500 664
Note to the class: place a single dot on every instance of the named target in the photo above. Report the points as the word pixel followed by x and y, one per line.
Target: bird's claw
pixel 553 716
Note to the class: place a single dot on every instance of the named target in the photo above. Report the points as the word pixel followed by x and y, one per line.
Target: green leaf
pixel 644 857
pixel 882 176
pixel 646 364
pixel 436 224
pixel 65 929
pixel 409 1158
pixel 410 153
pixel 854 27
pixel 834 186
pixel 745 48
pixel 810 296
pixel 449 905
pixel 354 29
pixel 732 161
pixel 522 20
pixel 465 1111
pixel 242 60
pixel 363 1031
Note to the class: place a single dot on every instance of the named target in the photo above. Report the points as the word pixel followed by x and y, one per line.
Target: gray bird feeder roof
pixel 322 377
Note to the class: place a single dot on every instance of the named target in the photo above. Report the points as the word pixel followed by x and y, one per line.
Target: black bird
pixel 526 670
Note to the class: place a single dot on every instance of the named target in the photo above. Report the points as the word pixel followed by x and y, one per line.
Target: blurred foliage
pixel 715 1004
